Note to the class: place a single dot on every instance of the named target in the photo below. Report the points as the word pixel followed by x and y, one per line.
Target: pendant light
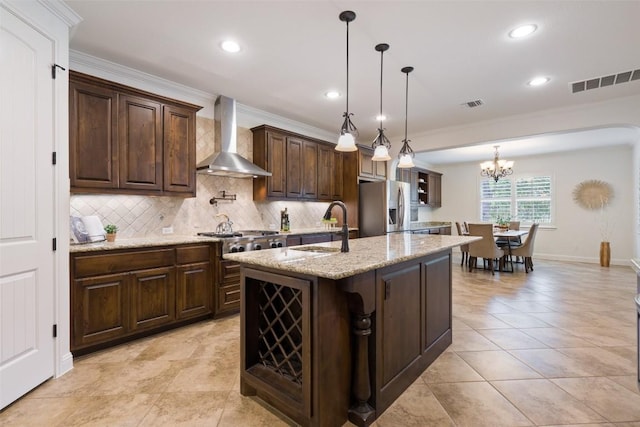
pixel 348 131
pixel 406 154
pixel 381 144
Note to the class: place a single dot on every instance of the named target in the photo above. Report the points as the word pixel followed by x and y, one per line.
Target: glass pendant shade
pixel 346 142
pixel 406 161
pixel 381 154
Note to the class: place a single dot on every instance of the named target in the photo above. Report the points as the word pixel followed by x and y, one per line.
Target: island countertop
pixel 364 254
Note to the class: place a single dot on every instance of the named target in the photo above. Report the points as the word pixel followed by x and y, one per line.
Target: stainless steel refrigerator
pixel 383 207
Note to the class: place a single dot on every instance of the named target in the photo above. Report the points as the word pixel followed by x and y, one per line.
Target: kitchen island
pixel 328 336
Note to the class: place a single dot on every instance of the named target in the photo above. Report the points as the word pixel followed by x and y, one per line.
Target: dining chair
pixel 463 248
pixel 526 249
pixel 485 248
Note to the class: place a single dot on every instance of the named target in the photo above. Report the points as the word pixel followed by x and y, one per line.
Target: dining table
pixel 510 235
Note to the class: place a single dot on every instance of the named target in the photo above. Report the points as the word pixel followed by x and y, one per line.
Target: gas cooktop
pixel 241 233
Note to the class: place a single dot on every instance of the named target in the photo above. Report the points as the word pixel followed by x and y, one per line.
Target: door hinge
pixel 387 290
pixel 55 331
pixel 55 244
pixel 54 158
pixel 53 70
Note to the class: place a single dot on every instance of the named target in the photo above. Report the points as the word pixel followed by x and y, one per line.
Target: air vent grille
pixel 598 82
pixel 473 104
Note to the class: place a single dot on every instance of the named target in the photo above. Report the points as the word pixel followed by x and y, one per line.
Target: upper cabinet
pixel 367 168
pixel 426 186
pixel 302 168
pixel 123 140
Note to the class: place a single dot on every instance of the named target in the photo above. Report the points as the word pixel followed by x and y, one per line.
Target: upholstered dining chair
pixel 526 250
pixel 463 248
pixel 485 248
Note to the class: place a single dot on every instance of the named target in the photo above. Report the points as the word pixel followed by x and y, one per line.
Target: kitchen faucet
pixel 345 227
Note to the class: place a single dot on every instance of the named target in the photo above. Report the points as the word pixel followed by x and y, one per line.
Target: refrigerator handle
pixel 401 208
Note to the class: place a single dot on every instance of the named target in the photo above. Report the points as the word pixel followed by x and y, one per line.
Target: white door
pixel 27 211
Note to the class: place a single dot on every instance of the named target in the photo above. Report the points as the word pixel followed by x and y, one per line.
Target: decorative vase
pixel 111 237
pixel 605 254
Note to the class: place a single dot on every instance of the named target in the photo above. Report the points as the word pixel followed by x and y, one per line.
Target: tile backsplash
pixel 139 216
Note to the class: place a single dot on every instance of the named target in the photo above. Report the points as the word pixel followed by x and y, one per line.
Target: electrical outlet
pixel 167 230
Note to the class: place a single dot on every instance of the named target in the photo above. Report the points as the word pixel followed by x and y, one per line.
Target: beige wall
pixel 138 216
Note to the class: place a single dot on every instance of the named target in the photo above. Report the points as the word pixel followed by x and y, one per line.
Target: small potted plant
pixel 503 222
pixel 111 230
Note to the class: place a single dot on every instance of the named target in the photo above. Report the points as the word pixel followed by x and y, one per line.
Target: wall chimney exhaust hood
pixel 228 162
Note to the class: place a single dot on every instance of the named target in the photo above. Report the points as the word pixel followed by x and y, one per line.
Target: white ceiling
pixel 295 51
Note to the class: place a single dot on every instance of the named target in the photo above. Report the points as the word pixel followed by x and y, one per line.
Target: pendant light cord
pixel 347 68
pixel 406 107
pixel 381 68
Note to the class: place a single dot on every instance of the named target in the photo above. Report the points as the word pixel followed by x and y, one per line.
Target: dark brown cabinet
pixel 302 168
pixel 123 140
pixel 228 289
pixel 121 294
pixel 330 167
pixel 367 168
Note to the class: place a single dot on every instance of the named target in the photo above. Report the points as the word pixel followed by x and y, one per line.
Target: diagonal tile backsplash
pixel 139 216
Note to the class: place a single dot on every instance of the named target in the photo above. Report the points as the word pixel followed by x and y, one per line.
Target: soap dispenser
pixel 284 220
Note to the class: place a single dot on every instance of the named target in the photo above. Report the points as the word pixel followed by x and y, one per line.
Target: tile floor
pixel 553 347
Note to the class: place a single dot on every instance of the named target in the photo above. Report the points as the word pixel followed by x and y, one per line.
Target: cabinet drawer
pixel 229 272
pixel 228 298
pixel 103 263
pixel 191 254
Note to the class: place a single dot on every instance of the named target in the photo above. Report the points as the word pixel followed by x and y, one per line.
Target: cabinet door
pixel 325 172
pixel 437 271
pixel 309 170
pixel 366 167
pixel 99 310
pixel 294 167
pixel 400 296
pixel 140 143
pixel 380 170
pixel 228 287
pixel 179 150
pixel 435 184
pixel 93 152
pixel 277 165
pixel 413 183
pixel 153 295
pixel 337 175
pixel 193 290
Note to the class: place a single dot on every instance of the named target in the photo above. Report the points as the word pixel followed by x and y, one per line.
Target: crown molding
pixel 62 11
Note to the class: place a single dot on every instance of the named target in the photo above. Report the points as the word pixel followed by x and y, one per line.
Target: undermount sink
pixel 316 249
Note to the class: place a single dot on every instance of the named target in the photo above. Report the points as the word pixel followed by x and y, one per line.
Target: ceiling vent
pixel 609 80
pixel 473 104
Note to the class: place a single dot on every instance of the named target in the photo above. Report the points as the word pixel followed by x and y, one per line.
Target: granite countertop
pixel 365 254
pixel 140 242
pixel 429 224
pixel 175 239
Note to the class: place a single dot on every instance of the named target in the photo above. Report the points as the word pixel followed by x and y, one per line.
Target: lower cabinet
pixel 121 294
pixel 228 288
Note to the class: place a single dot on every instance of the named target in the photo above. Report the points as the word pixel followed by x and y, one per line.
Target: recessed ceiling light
pixel 332 94
pixel 538 81
pixel 522 31
pixel 230 46
pixel 381 118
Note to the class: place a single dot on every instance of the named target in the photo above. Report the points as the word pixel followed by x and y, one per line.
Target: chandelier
pixel 348 131
pixel 406 154
pixel 497 168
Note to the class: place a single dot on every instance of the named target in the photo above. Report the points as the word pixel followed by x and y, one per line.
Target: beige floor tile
pixel 630 382
pixel 546 403
pixel 605 337
pixel 498 365
pixel 609 399
pixel 450 367
pixel 551 363
pixel 121 410
pixel 251 411
pixel 601 361
pixel 521 320
pixel 186 409
pixel 135 377
pixel 511 339
pixel 38 412
pixel 416 407
pixel 477 404
pixel 556 338
pixel 481 320
pixel 471 341
pixel 215 374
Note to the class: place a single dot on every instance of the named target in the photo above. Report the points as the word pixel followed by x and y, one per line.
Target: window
pixel 527 199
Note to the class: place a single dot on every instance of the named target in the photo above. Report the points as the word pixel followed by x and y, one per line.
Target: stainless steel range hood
pixel 228 162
